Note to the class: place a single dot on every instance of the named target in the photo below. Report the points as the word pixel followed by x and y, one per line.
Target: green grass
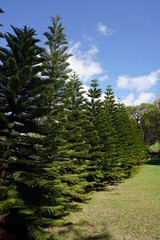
pixel 130 211
pixel 155 147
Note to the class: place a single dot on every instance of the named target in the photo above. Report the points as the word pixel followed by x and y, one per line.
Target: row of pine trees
pixel 56 146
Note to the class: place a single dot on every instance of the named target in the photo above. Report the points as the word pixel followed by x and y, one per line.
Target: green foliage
pixel 77 148
pixel 155 147
pixel 55 145
pixel 148 120
pixel 129 150
pixel 26 163
pixel 95 156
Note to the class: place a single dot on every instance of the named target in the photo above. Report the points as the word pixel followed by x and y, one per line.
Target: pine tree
pixel 109 140
pixel 56 65
pixel 56 68
pixel 94 104
pixel 95 156
pixel 76 147
pixel 125 140
pixel 33 192
pixel 121 125
pixel 130 143
pixel 140 152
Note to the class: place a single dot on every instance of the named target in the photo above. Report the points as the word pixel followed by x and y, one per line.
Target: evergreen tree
pixel 130 143
pixel 125 140
pixel 109 140
pixel 56 68
pixel 110 100
pixel 94 103
pixel 32 190
pixel 95 156
pixel 76 147
pixel 121 124
pixel 56 65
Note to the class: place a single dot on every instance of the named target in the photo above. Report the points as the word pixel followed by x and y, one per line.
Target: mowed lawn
pixel 129 211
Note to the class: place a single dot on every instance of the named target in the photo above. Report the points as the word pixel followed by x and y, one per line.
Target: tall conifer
pixel 33 190
pixel 93 105
pixel 77 148
pixel 56 68
pixel 109 136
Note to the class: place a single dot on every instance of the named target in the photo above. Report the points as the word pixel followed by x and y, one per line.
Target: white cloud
pixel 83 62
pixel 104 29
pixel 93 51
pixel 139 83
pixel 142 98
pixel 123 82
pixel 129 100
pixel 102 96
pixel 103 78
pixel 85 88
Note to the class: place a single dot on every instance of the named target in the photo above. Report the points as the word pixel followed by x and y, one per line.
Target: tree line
pixel 147 116
pixel 56 146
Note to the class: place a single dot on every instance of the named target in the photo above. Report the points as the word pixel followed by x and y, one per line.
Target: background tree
pixel 150 123
pixel 130 141
pixel 147 117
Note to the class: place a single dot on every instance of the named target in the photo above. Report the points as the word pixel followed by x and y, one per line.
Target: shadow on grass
pixel 83 231
pixel 155 160
pixel 99 237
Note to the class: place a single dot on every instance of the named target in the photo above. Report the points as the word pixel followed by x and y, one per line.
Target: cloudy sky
pixel 114 41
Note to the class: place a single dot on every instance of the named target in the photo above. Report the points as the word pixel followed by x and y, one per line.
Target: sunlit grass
pixel 130 211
pixel 155 147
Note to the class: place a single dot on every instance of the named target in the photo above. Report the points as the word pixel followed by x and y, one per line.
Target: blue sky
pixel 114 41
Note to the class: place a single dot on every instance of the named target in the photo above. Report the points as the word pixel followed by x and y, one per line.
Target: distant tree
pixel 150 123
pixel 129 146
pixel 130 141
pixel 136 113
pixel 147 117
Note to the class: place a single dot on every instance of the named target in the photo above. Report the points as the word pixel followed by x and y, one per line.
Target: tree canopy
pixel 57 146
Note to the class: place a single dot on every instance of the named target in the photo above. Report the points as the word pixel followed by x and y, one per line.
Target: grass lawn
pixel 130 211
pixel 155 147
